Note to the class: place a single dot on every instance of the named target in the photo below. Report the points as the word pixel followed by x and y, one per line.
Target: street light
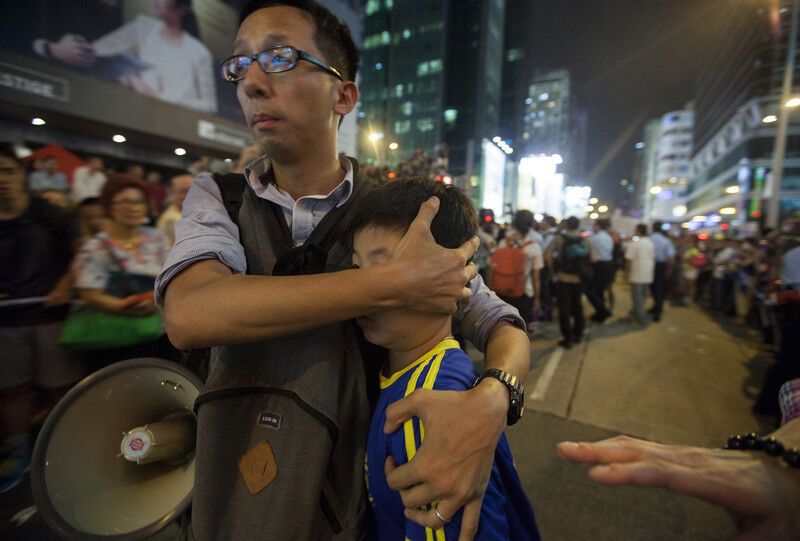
pixel 769 119
pixel 594 216
pixel 594 201
pixel 727 211
pixel 793 103
pixel 732 189
pixel 375 136
pixel 603 208
pixel 38 121
pixel 393 146
pixel 655 190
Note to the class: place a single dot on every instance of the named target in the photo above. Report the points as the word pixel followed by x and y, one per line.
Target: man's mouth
pixel 264 122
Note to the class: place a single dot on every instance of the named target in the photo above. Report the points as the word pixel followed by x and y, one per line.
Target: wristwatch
pixel 516 406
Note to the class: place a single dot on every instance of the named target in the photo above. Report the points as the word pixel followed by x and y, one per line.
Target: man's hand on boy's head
pixel 454 461
pixel 437 278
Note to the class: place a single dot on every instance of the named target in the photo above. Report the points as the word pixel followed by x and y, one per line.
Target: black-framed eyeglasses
pixel 274 60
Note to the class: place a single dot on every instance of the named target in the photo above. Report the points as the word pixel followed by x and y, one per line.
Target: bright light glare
pixel 180 151
pixel 496 140
pixel 727 211
pixel 557 159
pixel 593 201
pixel 375 136
pixel 655 190
pixel 594 216
pixel 119 138
pixel 685 225
pixel 603 208
pixel 793 103
pixel 699 218
pixel 38 121
pixel 769 119
pixel 589 208
pixel 732 189
pixel 679 211
pixel 393 146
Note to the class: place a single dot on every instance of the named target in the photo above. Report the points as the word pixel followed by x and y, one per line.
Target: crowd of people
pixel 751 281
pixel 76 257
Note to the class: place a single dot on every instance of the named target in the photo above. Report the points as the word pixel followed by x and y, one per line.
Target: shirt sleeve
pixel 789 399
pixel 535 253
pixel 482 312
pixel 204 232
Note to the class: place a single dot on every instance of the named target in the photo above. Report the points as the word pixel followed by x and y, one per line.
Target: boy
pixel 421 353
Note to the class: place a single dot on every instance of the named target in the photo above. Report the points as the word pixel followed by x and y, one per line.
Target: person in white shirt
pixel 178 188
pixel 88 180
pixel 641 262
pixel 180 68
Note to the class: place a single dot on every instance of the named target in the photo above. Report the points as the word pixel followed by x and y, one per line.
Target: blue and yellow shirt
pixel 506 512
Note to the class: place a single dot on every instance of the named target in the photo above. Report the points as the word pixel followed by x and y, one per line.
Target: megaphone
pixel 114 459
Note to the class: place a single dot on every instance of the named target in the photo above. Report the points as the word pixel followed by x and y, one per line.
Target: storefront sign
pixel 222 134
pixel 32 82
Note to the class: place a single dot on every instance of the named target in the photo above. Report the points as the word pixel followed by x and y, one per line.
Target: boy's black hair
pixel 395 205
pixel 641 229
pixel 333 37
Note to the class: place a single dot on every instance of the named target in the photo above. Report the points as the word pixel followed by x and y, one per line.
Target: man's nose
pixel 256 82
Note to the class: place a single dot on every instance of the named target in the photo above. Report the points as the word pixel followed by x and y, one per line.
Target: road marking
pixel 540 389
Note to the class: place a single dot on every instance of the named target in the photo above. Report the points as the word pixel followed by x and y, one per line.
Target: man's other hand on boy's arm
pixel 454 462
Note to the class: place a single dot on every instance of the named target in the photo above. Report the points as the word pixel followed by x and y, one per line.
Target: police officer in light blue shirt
pixel 602 269
pixel 665 253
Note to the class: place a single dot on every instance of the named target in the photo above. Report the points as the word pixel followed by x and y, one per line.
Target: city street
pixel 689 379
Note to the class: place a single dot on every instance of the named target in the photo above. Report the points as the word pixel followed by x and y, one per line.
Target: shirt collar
pixel 256 174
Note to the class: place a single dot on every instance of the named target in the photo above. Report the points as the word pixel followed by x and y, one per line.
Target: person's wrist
pixel 496 397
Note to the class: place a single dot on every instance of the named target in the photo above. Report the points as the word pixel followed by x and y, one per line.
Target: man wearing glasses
pixel 283 418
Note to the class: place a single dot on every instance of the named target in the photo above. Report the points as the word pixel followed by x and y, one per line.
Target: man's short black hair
pixel 523 221
pixel 395 205
pixel 7 151
pixel 603 223
pixel 573 223
pixel 332 36
pixel 641 230
pixel 658 227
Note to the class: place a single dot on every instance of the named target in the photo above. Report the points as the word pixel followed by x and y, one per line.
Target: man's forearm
pixel 509 349
pixel 207 305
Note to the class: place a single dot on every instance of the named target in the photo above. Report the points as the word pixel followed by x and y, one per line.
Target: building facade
pixel 432 73
pixel 737 103
pixel 547 115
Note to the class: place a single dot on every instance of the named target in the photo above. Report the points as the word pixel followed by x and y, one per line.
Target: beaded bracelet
pixel 771 446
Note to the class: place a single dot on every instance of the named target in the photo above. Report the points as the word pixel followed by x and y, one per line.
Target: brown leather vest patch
pixel 258 467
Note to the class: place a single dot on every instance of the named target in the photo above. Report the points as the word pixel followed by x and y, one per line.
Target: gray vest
pixel 305 396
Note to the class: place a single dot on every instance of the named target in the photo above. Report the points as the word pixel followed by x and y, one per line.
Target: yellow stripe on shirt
pixel 408 426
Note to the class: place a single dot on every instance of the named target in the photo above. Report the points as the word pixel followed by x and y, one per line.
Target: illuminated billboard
pixel 540 186
pixel 493 177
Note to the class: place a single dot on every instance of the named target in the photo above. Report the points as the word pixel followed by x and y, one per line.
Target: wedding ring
pixel 439 516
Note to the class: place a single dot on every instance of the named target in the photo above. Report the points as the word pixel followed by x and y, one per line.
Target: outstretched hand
pixel 454 462
pixel 758 490
pixel 437 276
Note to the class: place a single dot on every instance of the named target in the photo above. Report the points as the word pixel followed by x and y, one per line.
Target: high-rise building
pixel 431 74
pixel 736 104
pixel 518 70
pixel 547 115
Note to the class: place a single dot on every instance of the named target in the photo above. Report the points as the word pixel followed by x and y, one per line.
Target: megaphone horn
pixel 140 409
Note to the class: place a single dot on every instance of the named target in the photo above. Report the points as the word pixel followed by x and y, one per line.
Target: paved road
pixel 689 379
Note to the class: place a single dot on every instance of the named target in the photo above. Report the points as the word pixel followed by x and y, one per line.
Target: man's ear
pixel 346 97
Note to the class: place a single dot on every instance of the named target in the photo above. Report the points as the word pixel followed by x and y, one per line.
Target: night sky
pixel 630 60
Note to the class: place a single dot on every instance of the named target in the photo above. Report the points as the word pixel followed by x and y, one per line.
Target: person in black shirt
pixel 36 247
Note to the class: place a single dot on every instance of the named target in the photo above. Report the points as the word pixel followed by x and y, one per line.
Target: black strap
pixel 231 186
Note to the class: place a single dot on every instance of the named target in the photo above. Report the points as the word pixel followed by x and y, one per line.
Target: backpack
pixel 574 257
pixel 508 276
